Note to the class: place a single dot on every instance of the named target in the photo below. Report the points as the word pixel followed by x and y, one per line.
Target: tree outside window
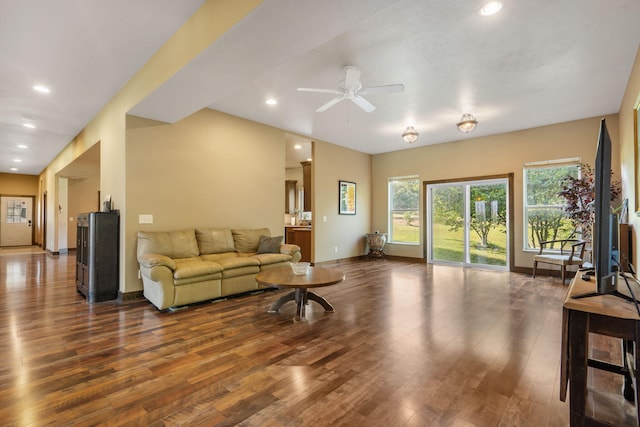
pixel 544 208
pixel 404 210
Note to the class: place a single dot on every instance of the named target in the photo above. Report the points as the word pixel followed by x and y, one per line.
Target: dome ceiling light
pixel 410 134
pixel 467 123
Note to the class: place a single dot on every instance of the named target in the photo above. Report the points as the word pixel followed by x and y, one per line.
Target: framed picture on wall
pixel 347 198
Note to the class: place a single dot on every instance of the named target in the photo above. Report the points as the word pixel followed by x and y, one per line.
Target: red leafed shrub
pixel 579 194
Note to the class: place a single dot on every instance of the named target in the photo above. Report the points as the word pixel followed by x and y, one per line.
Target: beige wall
pixel 493 155
pixel 61 211
pixel 629 162
pixel 332 163
pixel 82 197
pixel 207 170
pixel 217 170
pixel 294 174
pixel 12 184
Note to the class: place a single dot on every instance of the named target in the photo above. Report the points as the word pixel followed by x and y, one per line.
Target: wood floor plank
pixel 410 344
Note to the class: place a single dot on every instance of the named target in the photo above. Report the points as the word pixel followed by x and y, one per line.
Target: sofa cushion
pixel 239 266
pixel 174 244
pixel 237 262
pixel 269 245
pixel 215 240
pixel 216 257
pixel 248 240
pixel 194 267
pixel 267 259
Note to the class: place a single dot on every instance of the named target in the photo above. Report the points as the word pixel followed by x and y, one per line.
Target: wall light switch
pixel 70 219
pixel 324 218
pixel 145 219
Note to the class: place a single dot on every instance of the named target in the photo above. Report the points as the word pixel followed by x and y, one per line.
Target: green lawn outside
pixel 449 244
pixel 403 232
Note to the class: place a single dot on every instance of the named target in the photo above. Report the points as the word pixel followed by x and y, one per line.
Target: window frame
pixel 572 161
pixel 391 210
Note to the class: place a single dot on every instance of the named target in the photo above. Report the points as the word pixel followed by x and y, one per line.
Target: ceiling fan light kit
pixel 467 123
pixel 351 89
pixel 410 134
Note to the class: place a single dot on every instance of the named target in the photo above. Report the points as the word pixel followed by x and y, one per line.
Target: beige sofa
pixel 183 267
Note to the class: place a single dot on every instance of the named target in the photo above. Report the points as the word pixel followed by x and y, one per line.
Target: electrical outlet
pixel 324 218
pixel 335 249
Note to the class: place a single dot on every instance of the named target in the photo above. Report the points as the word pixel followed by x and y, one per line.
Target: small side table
pixel 376 242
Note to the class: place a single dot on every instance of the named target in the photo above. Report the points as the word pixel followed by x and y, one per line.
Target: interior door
pixel 17 220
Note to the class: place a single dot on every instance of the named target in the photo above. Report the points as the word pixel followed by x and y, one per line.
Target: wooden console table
pixel 606 315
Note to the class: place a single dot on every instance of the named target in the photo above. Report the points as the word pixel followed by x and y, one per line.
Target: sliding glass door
pixel 468 223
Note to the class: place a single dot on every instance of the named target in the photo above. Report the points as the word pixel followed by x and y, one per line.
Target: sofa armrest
pixel 292 250
pixel 152 260
pixel 289 249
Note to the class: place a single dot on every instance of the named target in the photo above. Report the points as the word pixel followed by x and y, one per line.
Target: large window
pixel 543 207
pixel 404 210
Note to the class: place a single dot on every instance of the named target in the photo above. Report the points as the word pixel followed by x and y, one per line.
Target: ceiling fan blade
pixel 310 89
pixel 382 89
pixel 352 77
pixel 330 104
pixel 363 103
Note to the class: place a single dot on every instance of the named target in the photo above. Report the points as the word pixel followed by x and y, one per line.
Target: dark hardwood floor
pixel 408 345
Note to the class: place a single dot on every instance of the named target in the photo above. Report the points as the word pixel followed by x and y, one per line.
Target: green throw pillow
pixel 269 245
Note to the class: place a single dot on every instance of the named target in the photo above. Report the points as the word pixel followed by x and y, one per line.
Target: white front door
pixel 16 217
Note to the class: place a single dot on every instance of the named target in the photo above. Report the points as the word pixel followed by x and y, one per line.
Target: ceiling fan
pixel 350 88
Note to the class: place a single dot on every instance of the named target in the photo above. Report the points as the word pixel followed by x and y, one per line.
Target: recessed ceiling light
pixel 29 125
pixel 297 146
pixel 13 169
pixel 22 146
pixel 41 89
pixel 271 101
pixel 17 160
pixel 491 8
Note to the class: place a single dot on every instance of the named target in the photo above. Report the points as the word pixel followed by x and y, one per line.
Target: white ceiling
pixel 535 63
pixel 84 51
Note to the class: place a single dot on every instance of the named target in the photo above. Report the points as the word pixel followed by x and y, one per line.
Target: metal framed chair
pixel 562 252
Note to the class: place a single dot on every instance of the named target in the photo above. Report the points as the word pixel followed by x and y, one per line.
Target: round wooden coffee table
pixel 315 278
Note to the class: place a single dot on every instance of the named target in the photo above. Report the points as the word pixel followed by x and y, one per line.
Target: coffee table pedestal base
pixel 301 296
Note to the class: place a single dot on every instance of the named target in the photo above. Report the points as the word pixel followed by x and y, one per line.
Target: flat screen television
pixel 605 228
pixel 606 252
